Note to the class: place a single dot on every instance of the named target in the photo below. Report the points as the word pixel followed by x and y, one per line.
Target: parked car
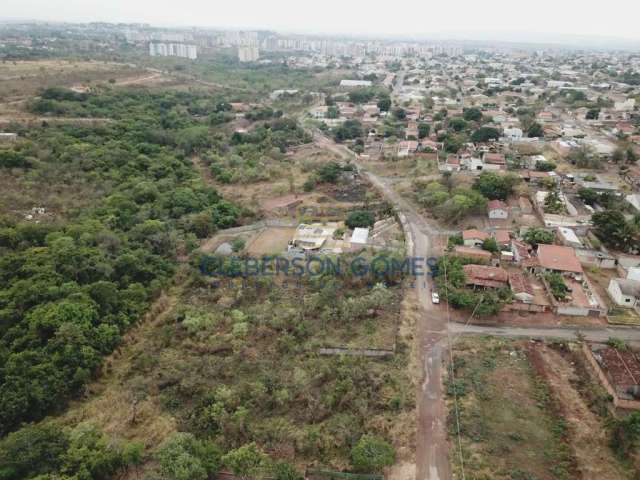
pixel 435 298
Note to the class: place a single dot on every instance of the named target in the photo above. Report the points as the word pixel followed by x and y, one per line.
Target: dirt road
pixel 432 452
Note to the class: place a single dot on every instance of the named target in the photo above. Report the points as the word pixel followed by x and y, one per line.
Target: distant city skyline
pixel 545 21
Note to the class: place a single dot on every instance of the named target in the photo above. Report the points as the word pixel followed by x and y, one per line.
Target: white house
pixel 513 134
pixel 319 112
pixel 625 106
pixel 498 210
pixel 8 137
pixel 624 292
pixel 473 163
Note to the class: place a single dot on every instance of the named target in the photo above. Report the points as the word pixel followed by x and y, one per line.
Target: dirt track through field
pixel 588 435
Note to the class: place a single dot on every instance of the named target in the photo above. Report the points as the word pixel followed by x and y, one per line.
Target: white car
pixel 435 298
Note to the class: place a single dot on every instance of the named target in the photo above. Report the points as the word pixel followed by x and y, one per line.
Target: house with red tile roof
pixel 475 254
pixel 486 277
pixel 503 237
pixel 474 238
pixel 494 161
pixel 521 287
pixel 558 258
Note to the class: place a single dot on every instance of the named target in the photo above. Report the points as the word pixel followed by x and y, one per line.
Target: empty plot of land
pixel 588 436
pixel 509 426
pixel 27 78
pixel 271 241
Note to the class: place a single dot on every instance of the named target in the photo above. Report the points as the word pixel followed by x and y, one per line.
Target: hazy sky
pixel 500 18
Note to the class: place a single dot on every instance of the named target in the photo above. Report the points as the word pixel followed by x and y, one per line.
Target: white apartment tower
pixel 157 49
pixel 248 53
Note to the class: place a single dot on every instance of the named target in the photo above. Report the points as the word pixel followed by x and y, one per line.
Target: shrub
pixel 361 219
pixel 371 454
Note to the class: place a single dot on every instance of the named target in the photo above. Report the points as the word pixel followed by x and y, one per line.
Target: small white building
pixel 633 274
pixel 624 292
pixel 625 106
pixel 569 238
pixel 8 137
pixel 513 134
pixel 633 200
pixel 473 163
pixel 355 83
pixel 498 210
pixel 360 236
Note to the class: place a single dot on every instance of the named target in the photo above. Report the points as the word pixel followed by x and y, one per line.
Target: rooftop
pixel 484 276
pixel 557 257
pixel 474 234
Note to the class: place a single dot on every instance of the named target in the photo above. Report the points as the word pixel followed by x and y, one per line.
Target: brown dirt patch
pixel 271 240
pixel 587 434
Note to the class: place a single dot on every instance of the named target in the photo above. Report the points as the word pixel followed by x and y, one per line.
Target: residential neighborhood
pixel 267 241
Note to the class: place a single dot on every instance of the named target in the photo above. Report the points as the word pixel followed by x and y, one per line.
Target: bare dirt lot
pixel 21 79
pixel 270 241
pixel 544 427
pixel 589 439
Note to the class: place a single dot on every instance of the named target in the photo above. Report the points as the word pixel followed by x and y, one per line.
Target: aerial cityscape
pixel 334 247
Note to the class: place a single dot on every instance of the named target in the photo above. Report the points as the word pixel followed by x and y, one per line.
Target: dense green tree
pixel 349 130
pixel 246 461
pixel 535 131
pixel 472 114
pixel 612 228
pixel 535 236
pixel 371 454
pixel 543 166
pixel 33 450
pixel 423 130
pixel 384 103
pixel 458 124
pixel 495 186
pixel 360 218
pixel 183 457
pixel 484 134
pixel 490 245
pixel 593 114
pixel 588 195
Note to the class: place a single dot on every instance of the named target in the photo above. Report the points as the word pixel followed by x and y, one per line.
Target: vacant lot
pixel 589 437
pixel 271 241
pixel 239 364
pixel 509 425
pixel 20 79
pixel 529 411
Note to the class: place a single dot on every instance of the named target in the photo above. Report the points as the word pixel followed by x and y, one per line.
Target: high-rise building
pixel 248 53
pixel 182 50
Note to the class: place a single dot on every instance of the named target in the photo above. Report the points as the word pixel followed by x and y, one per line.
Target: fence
pixel 272 223
pixel 316 474
pixel 357 352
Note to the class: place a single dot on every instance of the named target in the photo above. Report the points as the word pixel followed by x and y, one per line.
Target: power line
pixel 452 373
